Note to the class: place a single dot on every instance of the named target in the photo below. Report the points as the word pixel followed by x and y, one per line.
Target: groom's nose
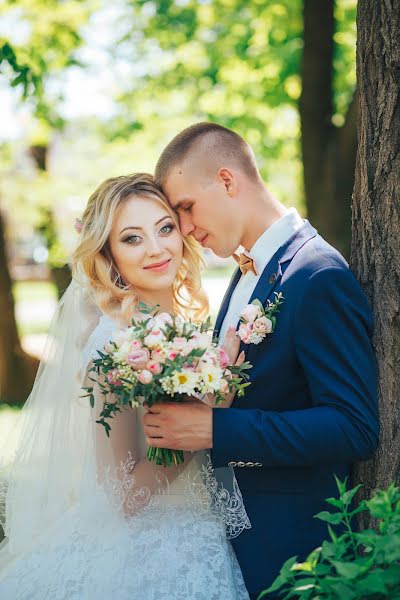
pixel 186 225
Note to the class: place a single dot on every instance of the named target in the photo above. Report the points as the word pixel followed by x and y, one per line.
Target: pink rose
pixel 113 377
pixel 145 377
pixel 158 355
pixel 245 330
pixel 179 343
pixel 154 367
pixel 135 345
pixel 138 358
pixel 154 338
pixel 223 357
pixel 263 325
pixel 251 313
pixel 172 354
pixel 163 318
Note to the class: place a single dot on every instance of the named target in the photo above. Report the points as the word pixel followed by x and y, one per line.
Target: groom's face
pixel 204 208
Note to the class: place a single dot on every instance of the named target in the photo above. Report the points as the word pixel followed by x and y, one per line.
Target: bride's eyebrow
pixel 141 228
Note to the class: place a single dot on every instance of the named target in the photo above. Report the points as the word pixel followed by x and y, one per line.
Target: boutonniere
pixel 256 322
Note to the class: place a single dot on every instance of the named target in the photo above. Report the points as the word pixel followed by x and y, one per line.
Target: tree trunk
pixel 17 369
pixel 328 151
pixel 60 273
pixel 375 252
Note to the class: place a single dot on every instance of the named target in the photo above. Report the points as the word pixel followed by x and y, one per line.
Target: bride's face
pixel 146 245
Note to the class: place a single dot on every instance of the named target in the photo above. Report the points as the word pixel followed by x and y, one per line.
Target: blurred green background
pixel 93 89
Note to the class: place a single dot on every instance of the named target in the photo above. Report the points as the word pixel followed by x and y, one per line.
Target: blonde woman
pixel 87 516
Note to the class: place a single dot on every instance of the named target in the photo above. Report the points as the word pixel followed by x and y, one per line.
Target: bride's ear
pixel 229 180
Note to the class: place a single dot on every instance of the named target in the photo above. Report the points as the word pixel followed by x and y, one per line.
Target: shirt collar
pixel 273 238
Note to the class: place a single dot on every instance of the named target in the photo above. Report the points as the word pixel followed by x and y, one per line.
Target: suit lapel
pixel 225 302
pixel 272 274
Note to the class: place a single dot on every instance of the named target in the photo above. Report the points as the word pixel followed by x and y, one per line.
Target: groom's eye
pixel 187 208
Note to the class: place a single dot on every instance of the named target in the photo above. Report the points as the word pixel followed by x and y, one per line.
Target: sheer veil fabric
pixel 86 516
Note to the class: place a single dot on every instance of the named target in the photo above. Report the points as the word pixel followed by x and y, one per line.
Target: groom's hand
pixel 186 426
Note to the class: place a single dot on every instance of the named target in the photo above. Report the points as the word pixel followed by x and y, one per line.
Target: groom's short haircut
pixel 215 144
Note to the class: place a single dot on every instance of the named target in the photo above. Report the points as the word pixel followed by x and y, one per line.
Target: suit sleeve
pixel 331 333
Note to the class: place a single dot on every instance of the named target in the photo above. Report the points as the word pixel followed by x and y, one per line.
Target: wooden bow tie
pixel 246 263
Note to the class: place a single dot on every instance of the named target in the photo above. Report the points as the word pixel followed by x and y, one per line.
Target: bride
pixel 89 517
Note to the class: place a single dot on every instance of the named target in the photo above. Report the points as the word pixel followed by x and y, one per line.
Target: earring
pixel 119 281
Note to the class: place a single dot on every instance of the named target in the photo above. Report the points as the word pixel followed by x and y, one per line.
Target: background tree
pixel 328 148
pixel 17 369
pixel 243 65
pixel 28 65
pixel 375 255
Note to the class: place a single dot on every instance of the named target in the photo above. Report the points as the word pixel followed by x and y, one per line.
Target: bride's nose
pixel 153 246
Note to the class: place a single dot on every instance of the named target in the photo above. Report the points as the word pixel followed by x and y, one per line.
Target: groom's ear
pixel 229 180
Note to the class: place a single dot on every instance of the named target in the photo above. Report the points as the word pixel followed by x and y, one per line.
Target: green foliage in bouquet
pixel 162 358
pixel 353 565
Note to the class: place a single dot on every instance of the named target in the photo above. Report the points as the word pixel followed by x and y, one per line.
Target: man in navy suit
pixel 311 410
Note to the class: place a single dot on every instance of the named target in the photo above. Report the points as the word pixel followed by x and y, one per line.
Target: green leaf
pixel 332 518
pixel 336 502
pixel 341 485
pixel 372 584
pixel 348 496
pixel 349 570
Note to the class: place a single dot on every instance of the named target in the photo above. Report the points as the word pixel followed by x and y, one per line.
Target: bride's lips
pixel 159 267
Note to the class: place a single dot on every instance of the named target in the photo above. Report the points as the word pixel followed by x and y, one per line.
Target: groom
pixel 311 410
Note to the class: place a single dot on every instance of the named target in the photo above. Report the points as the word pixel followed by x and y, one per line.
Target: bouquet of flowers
pixel 161 358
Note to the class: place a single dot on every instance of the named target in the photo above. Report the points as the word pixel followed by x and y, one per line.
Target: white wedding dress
pixel 88 517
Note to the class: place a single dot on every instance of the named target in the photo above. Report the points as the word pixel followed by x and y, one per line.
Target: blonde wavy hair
pixel 93 259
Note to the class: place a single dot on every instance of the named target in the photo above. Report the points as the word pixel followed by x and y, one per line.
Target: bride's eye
pixel 132 239
pixel 167 228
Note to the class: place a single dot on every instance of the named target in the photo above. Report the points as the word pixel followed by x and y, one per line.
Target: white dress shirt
pixel 263 250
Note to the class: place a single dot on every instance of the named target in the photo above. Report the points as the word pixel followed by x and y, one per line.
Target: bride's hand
pixel 231 346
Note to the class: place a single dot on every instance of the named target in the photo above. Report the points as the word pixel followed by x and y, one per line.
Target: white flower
pixel 180 382
pixel 121 354
pixel 211 377
pixel 256 338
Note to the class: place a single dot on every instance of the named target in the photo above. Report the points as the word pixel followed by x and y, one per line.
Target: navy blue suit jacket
pixel 311 410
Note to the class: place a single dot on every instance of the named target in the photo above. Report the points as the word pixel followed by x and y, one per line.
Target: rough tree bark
pixel 17 369
pixel 329 152
pixel 375 251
